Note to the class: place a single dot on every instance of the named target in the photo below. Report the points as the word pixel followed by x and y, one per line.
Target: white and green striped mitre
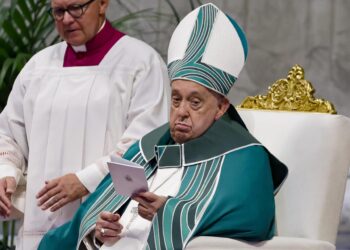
pixel 207 47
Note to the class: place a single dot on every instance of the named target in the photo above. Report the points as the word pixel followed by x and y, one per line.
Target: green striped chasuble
pixel 227 190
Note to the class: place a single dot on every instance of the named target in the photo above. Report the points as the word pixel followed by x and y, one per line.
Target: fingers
pixel 113 229
pixel 5 210
pixel 58 192
pixel 55 203
pixel 10 185
pixel 146 213
pixel 59 202
pixel 148 199
pixel 149 204
pixel 108 216
pixel 108 228
pixel 105 238
pixel 106 232
pixel 49 185
pixel 5 198
pixel 50 193
pixel 109 220
pixel 7 188
pixel 142 201
pixel 149 196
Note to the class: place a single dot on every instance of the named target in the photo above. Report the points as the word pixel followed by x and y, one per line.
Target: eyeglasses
pixel 75 10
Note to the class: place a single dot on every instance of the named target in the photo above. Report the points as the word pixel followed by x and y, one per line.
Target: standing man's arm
pixel 148 108
pixel 13 147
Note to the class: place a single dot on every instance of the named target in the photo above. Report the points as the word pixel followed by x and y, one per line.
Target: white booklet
pixel 128 177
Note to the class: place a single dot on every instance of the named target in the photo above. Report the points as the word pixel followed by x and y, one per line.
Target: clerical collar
pixel 92 53
pixel 79 48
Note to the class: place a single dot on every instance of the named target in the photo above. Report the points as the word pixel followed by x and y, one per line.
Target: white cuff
pixel 9 170
pixel 91 176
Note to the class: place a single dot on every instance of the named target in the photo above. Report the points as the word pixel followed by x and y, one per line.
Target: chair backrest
pixel 314 146
pixel 316 149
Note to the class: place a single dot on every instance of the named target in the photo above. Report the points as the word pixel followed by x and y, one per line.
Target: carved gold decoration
pixel 291 94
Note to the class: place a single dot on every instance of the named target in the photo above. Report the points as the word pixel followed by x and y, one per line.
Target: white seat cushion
pixel 277 243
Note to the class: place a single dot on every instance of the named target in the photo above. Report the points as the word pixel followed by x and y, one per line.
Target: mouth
pixel 182 127
pixel 69 31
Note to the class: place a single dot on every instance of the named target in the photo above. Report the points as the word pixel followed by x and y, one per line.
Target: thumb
pixel 10 185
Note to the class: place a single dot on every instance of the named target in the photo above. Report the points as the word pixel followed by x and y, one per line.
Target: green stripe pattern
pixel 109 200
pixel 191 67
pixel 176 221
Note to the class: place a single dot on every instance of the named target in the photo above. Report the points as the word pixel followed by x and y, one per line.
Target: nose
pixel 67 18
pixel 182 110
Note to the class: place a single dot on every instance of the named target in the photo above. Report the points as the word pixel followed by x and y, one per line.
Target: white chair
pixel 316 149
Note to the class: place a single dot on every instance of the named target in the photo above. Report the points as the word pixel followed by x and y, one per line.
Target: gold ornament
pixel 291 94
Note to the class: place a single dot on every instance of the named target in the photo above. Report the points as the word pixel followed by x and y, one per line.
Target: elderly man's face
pixel 193 109
pixel 77 31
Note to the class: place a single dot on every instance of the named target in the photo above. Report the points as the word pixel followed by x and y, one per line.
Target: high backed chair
pixel 315 145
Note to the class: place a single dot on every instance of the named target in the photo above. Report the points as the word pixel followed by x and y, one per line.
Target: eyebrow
pixel 60 6
pixel 175 91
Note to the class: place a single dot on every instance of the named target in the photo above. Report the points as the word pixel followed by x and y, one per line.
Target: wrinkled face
pixel 77 31
pixel 194 108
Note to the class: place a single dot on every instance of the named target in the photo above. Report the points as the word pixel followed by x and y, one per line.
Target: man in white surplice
pixel 72 105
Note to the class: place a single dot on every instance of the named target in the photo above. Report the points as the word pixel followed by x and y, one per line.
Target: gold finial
pixel 291 94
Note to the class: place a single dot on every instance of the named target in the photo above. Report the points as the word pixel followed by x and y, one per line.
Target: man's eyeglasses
pixel 75 10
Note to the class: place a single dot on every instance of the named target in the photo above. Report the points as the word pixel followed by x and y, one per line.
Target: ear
pixel 223 106
pixel 103 6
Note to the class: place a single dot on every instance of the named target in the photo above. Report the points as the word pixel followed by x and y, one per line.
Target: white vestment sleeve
pixel 148 109
pixel 13 139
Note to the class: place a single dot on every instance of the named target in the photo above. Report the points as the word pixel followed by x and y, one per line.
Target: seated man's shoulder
pixel 254 149
pixel 252 161
pixel 232 138
pixel 243 144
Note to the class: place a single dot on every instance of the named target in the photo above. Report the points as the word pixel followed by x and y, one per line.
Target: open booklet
pixel 128 177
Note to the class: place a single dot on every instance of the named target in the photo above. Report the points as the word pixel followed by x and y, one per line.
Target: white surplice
pixel 61 120
pixel 166 182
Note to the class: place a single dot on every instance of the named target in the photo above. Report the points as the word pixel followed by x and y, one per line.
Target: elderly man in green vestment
pixel 207 174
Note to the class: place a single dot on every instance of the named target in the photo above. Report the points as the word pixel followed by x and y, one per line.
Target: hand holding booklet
pixel 128 177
